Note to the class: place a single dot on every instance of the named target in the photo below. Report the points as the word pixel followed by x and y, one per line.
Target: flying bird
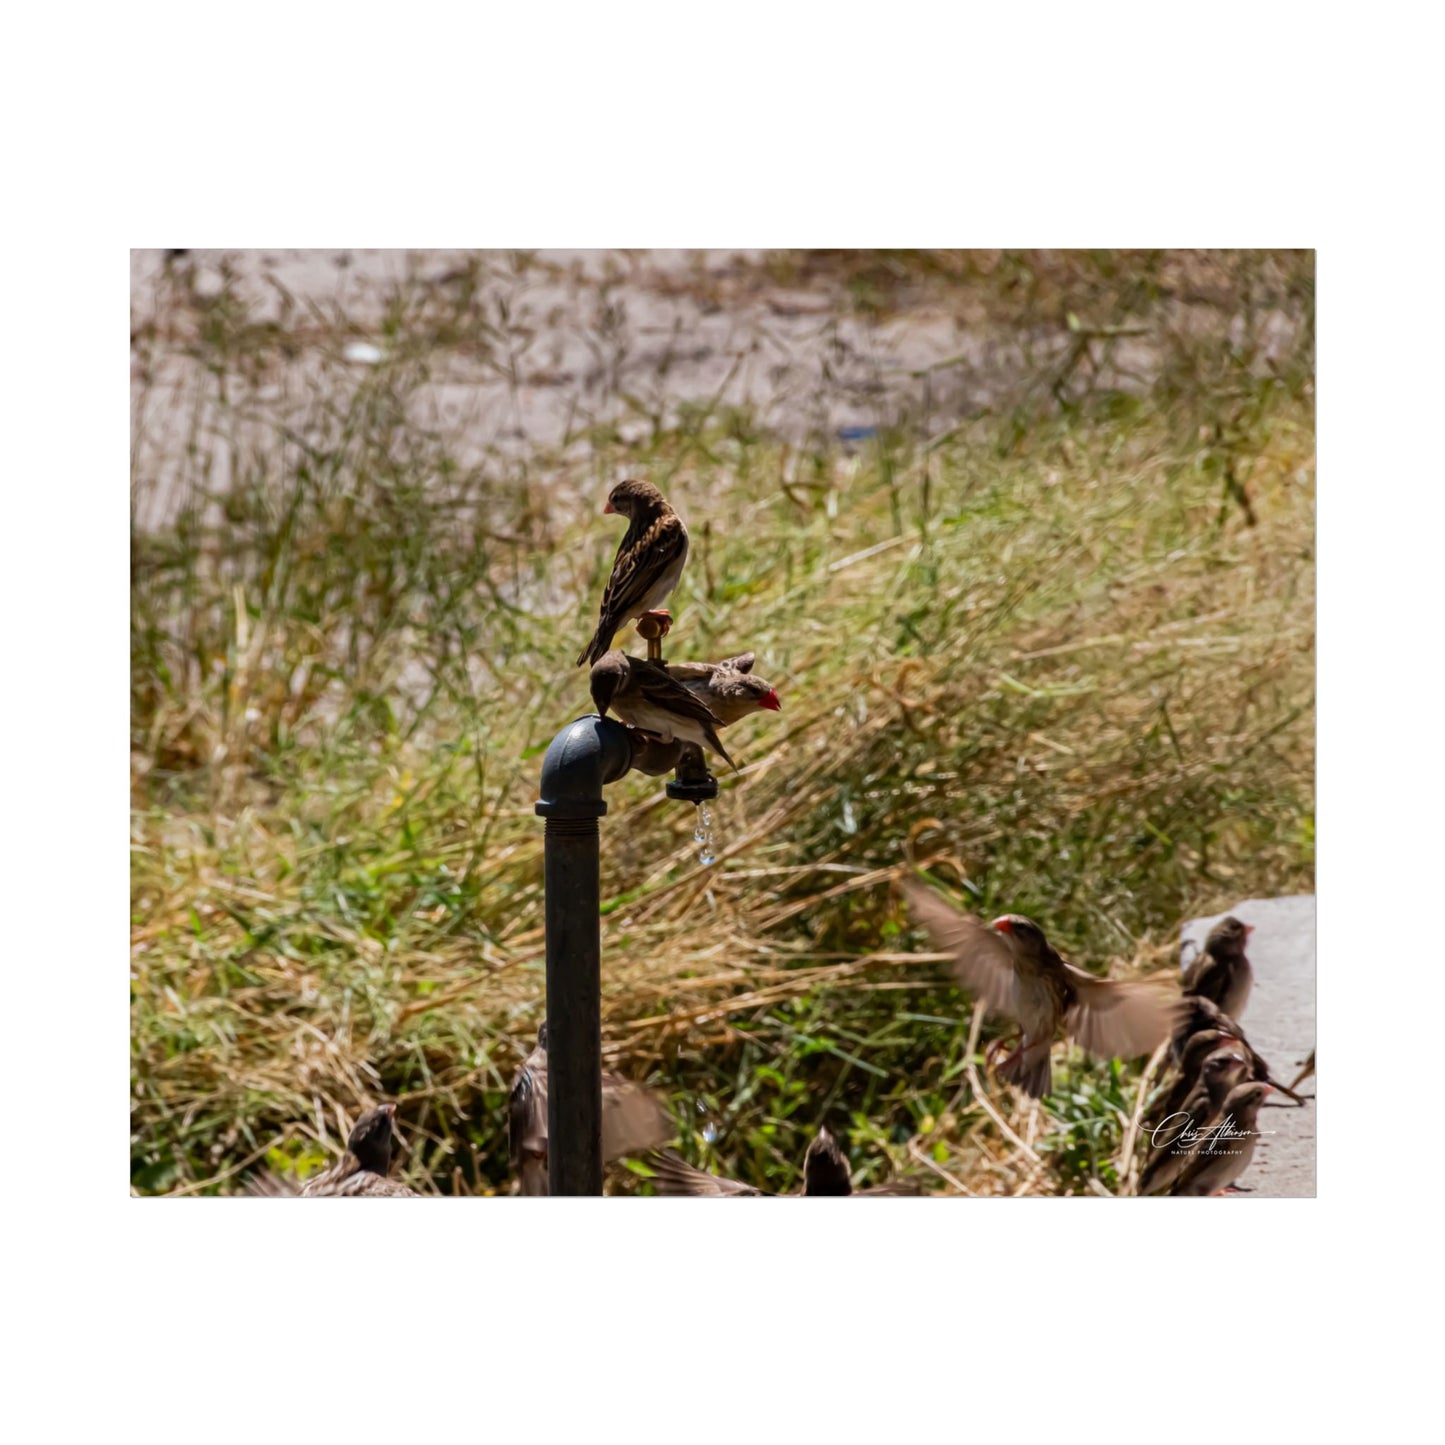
pixel 1224 1151
pixel 728 688
pixel 633 1119
pixel 645 696
pixel 361 1174
pixel 825 1172
pixel 1013 968
pixel 1221 973
pixel 649 561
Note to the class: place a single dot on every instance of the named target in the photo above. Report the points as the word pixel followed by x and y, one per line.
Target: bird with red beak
pixel 1222 973
pixel 1013 968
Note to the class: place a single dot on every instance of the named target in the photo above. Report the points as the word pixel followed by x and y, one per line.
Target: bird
pixel 1307 1071
pixel 1013 968
pixel 825 1173
pixel 362 1170
pixel 646 697
pixel 727 687
pixel 1221 972
pixel 1198 1048
pixel 1202 1015
pixel 633 1119
pixel 1224 1151
pixel 1221 1071
pixel 1199 1014
pixel 649 562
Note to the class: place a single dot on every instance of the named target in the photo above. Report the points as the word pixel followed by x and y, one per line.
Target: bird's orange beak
pixel 771 701
pixel 1248 929
pixel 609 509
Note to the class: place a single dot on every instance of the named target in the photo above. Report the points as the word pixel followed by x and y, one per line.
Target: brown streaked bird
pixel 1197 1015
pixel 1011 966
pixel 633 1119
pixel 730 691
pixel 1220 1155
pixel 1202 1015
pixel 825 1173
pixel 1221 1072
pixel 649 561
pixel 1196 1050
pixel 645 697
pixel 1221 972
pixel 361 1174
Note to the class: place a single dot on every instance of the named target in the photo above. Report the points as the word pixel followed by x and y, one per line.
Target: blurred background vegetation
pixel 1025 541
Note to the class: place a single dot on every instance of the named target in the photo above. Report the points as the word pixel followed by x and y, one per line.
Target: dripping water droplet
pixel 702 836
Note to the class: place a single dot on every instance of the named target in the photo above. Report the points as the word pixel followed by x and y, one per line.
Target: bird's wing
pixel 902 1189
pixel 674 1175
pixel 366 1185
pixel 331 1181
pixel 982 961
pixel 268 1185
pixel 692 671
pixel 635 569
pixel 1202 976
pixel 527 1119
pixel 633 1119
pixel 1119 1020
pixel 665 692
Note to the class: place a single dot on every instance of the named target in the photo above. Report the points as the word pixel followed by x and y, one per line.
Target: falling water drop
pixel 702 835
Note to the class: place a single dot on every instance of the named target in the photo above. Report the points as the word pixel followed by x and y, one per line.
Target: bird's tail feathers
pixel 1029 1069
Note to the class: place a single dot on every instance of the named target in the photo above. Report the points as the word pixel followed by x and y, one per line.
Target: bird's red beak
pixel 1002 925
pixel 389 1110
pixel 609 509
pixel 771 701
pixel 1248 929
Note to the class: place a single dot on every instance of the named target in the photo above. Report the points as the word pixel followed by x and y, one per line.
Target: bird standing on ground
pixel 645 697
pixel 1221 972
pixel 361 1174
pixel 633 1119
pixel 1011 966
pixel 649 561
pixel 728 687
pixel 1224 1151
pixel 1220 1073
pixel 1201 1016
pixel 825 1173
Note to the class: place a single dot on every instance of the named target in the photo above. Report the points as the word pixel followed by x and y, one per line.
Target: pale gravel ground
pixel 557 341
pixel 1280 1023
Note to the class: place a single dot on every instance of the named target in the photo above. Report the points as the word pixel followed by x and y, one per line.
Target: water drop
pixel 702 836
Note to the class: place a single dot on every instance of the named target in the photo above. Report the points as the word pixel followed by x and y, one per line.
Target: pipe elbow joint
pixel 585 756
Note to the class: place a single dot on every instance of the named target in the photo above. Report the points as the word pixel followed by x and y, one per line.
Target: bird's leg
pixel 652 627
pixel 991 1052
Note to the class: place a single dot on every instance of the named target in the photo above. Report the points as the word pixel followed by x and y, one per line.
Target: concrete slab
pixel 1280 1022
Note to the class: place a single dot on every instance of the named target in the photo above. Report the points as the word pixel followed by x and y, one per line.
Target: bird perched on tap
pixel 648 564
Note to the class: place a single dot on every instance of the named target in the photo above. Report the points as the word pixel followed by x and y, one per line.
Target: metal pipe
pixel 582 758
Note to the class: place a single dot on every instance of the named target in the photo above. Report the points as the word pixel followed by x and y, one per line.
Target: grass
pixel 1059 649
